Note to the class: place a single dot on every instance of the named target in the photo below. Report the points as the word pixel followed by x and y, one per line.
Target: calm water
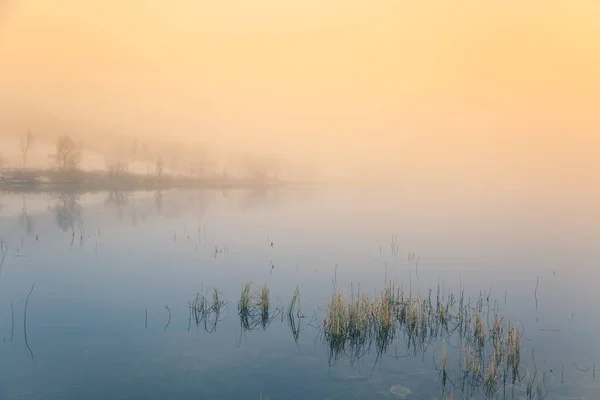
pixel 101 261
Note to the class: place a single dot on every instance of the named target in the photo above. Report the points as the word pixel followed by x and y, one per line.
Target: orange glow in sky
pixel 353 86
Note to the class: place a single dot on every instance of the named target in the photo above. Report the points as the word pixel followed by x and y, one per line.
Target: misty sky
pixel 357 86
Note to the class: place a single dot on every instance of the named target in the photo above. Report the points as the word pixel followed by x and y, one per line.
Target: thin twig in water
pixel 169 321
pixel 417 267
pixel 580 369
pixel 12 328
pixel 25 322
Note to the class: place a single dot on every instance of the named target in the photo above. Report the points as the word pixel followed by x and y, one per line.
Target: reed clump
pixel 489 352
pixel 360 311
pixel 336 325
pixel 207 309
pixel 254 307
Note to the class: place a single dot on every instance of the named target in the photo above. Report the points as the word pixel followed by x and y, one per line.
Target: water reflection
pixel 117 199
pixel 158 201
pixel 142 269
pixel 25 220
pixel 138 206
pixel 259 198
pixel 67 211
pixel 207 311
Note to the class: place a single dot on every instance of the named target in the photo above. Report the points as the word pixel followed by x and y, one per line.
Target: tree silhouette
pixel 68 154
pixel 160 166
pixel 26 143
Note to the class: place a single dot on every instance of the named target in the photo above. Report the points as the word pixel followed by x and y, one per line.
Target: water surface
pixel 101 261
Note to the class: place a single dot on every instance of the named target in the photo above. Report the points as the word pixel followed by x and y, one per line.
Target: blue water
pixel 101 261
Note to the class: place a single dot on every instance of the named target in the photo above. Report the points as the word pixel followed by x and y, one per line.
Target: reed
pixel 294 315
pixel 294 306
pixel 489 352
pixel 254 307
pixel 206 309
pixel 335 326
pixel 245 307
pixel 385 318
pixel 444 370
pixel 490 382
pixel 263 306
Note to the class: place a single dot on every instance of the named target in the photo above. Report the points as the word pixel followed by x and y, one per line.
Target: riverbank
pixel 18 180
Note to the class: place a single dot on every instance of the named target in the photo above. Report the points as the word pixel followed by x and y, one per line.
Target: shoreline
pixel 24 181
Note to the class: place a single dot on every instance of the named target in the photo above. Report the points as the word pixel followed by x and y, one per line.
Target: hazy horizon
pixel 357 89
pixel 305 175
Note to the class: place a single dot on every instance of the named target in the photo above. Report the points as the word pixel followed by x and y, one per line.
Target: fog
pixel 391 90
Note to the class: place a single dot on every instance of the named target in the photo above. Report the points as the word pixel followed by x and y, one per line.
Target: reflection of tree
pixel 200 198
pixel 160 166
pixel 158 199
pixel 260 198
pixel 118 199
pixel 68 212
pixel 26 220
pixel 134 216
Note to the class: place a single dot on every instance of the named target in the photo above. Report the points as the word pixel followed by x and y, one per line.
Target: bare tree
pixel 1 161
pixel 115 167
pixel 160 166
pixel 68 153
pixel 26 143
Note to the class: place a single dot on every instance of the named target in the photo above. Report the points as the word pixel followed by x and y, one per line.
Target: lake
pixel 115 275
